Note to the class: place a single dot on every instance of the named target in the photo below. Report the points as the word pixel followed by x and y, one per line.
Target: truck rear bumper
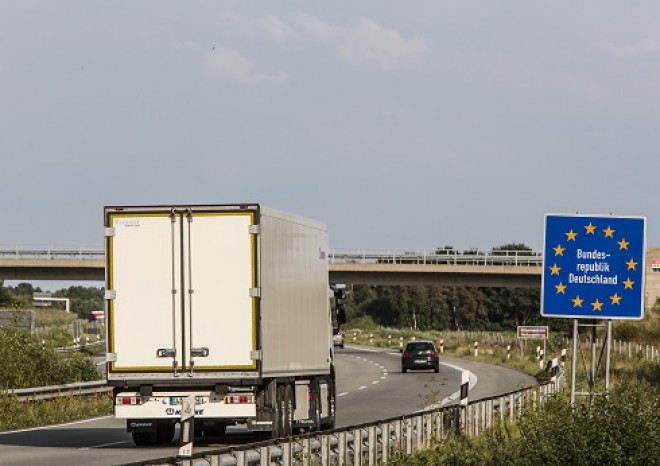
pixel 167 405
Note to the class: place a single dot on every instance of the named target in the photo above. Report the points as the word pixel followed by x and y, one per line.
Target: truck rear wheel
pixel 165 433
pixel 315 412
pixel 145 439
pixel 286 410
pixel 332 399
pixel 215 430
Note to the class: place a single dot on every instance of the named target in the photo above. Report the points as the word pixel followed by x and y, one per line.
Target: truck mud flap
pixel 260 425
pixel 141 425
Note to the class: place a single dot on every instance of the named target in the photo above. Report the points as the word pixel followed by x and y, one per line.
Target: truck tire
pixel 145 439
pixel 216 430
pixel 332 398
pixel 315 408
pixel 287 410
pixel 165 432
pixel 277 431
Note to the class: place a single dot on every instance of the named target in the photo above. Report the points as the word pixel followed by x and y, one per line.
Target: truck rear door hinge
pixel 255 355
pixel 110 294
pixel 109 232
pixel 255 292
pixel 254 229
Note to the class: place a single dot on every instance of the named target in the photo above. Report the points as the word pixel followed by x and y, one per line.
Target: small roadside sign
pixel 533 333
pixel 593 267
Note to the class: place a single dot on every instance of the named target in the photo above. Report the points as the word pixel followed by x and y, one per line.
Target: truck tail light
pixel 129 400
pixel 239 399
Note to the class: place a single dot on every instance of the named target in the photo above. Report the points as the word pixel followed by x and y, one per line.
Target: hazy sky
pixel 402 124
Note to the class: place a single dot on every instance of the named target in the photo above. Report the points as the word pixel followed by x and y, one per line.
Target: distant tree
pixel 5 295
pixel 520 248
pixel 512 247
pixel 84 300
pixel 380 310
pixel 25 289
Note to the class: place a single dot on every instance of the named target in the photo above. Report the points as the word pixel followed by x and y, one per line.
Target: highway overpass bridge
pixel 350 266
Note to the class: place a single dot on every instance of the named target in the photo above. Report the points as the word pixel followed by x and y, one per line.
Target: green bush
pixel 622 429
pixel 27 363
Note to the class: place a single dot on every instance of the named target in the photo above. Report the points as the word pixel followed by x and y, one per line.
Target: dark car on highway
pixel 420 354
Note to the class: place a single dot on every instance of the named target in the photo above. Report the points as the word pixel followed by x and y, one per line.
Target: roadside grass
pixel 53 317
pixel 20 415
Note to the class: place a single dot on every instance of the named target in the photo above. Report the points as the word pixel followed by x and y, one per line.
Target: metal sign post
pixel 534 333
pixel 187 428
pixel 593 268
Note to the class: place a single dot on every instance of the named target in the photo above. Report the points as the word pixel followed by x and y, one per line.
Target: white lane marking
pixel 103 445
pixel 73 423
pixel 366 350
pixel 456 394
pixel 381 367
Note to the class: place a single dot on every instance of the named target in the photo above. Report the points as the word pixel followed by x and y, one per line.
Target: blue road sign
pixel 593 267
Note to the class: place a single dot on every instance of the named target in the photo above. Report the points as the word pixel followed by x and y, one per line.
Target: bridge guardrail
pixel 362 256
pixel 440 257
pixel 84 252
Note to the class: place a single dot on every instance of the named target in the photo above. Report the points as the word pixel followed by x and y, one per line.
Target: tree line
pixel 84 300
pixel 449 307
pixel 446 308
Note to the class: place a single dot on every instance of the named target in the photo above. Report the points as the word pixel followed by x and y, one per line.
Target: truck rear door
pixel 181 290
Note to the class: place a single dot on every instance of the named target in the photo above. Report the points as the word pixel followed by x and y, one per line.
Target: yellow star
pixel 623 244
pixel 571 235
pixel 561 288
pixel 590 229
pixel 631 264
pixel 628 284
pixel 577 301
pixel 616 299
pixel 554 270
pixel 598 306
pixel 559 251
pixel 609 233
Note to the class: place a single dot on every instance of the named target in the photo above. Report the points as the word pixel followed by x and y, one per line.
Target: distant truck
pixel 226 303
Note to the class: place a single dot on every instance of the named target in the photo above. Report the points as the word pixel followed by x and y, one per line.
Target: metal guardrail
pixel 81 347
pixel 57 391
pixel 377 442
pixel 337 256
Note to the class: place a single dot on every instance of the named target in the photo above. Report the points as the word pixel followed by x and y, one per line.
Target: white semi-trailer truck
pixel 224 303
